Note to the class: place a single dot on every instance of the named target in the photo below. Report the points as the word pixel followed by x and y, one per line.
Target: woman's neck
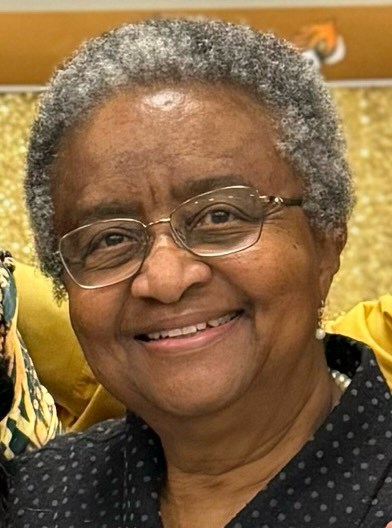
pixel 216 465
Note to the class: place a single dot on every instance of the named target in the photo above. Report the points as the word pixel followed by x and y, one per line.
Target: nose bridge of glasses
pixel 173 233
pixel 156 222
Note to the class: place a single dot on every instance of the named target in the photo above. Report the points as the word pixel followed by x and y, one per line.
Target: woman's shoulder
pixel 75 479
pixel 70 464
pixel 60 476
pixel 72 447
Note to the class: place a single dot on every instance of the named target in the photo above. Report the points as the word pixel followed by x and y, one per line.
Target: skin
pixel 234 406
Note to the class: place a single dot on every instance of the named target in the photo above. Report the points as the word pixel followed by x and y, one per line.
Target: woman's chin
pixel 202 394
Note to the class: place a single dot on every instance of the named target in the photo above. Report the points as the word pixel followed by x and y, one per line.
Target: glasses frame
pixel 276 203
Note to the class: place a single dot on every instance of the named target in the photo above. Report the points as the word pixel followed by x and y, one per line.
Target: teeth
pixel 187 330
pixel 220 321
pixel 172 333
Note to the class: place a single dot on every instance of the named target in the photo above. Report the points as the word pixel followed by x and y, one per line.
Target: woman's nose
pixel 168 272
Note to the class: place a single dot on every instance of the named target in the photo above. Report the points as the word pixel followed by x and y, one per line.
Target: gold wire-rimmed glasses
pixel 213 224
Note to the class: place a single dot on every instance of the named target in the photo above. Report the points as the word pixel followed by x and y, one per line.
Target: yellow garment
pixel 371 323
pixel 46 329
pixel 55 351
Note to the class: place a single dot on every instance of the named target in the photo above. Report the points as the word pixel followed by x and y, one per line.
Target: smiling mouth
pixel 188 331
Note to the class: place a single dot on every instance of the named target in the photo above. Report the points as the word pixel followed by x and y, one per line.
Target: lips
pixel 187 331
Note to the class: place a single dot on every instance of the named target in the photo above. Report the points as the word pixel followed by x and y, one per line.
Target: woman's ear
pixel 331 245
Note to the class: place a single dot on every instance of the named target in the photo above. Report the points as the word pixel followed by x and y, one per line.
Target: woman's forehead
pixel 173 125
pixel 173 142
pixel 176 105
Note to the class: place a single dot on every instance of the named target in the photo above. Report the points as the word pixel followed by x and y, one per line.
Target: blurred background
pixel 349 41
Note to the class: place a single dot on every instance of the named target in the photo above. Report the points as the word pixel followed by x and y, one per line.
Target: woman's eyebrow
pixel 110 209
pixel 205 184
pixel 132 209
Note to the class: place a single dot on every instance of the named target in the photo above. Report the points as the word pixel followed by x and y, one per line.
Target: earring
pixel 320 332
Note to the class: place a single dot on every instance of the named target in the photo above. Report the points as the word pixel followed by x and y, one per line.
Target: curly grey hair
pixel 174 51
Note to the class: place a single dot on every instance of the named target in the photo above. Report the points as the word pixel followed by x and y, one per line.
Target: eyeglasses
pixel 212 224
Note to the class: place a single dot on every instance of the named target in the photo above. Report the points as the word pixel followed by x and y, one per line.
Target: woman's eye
pixel 215 217
pixel 109 241
pixel 112 239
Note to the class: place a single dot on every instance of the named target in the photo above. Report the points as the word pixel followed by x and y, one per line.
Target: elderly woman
pixel 188 190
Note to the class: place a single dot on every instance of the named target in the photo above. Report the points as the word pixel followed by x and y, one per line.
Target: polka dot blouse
pixel 110 476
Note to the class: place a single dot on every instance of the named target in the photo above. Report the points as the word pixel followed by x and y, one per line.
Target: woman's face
pixel 140 155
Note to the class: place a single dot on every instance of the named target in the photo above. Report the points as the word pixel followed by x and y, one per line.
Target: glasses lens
pixel 219 222
pixel 105 252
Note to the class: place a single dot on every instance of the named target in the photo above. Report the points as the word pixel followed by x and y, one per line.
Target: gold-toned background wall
pixel 366 270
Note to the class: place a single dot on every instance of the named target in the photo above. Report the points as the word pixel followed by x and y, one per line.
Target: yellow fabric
pixel 46 330
pixel 371 323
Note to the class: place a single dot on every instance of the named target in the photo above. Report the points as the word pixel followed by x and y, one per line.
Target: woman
pixel 188 189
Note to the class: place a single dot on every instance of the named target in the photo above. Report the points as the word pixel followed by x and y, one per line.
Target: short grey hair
pixel 178 50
